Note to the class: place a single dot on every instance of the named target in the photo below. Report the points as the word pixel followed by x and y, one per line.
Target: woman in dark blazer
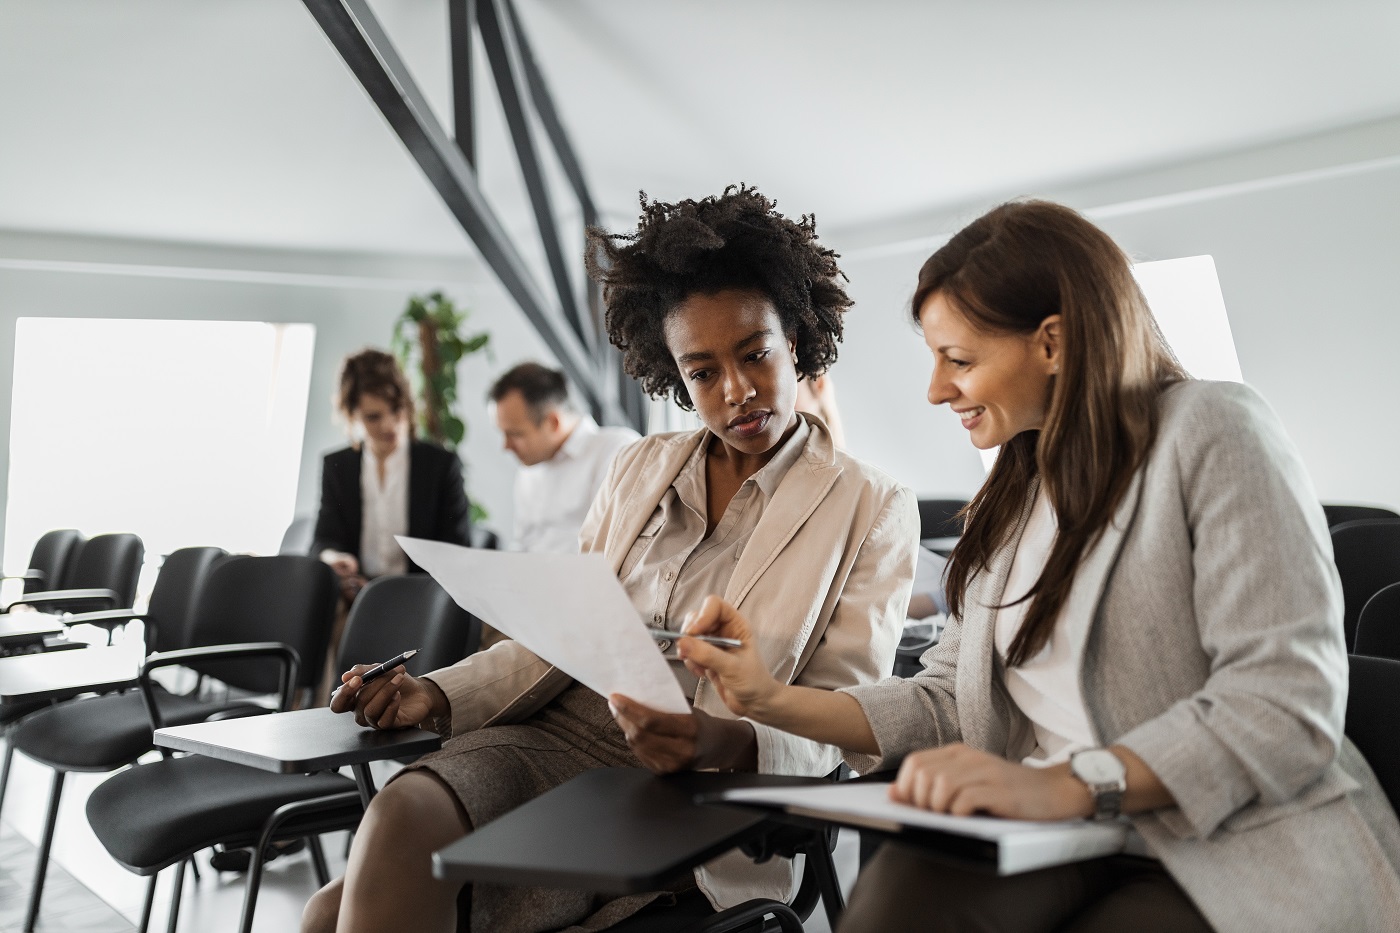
pixel 386 483
pixel 438 508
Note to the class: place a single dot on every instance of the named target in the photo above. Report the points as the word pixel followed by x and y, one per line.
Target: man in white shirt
pixel 564 456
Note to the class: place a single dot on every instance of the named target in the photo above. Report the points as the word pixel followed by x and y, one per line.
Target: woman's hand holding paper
pixel 667 742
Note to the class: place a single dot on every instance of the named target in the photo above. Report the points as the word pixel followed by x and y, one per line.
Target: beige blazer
pixel 1216 654
pixel 824 579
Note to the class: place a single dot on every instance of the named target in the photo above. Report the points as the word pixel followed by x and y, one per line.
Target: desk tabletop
pixel 610 830
pixel 28 626
pixel 296 742
pixel 58 675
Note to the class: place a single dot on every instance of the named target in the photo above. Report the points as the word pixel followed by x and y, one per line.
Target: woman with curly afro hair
pixel 722 304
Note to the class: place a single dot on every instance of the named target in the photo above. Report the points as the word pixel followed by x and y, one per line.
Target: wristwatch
pixel 1106 778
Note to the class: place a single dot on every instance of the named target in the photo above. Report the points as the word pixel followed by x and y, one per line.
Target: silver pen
pixel 662 635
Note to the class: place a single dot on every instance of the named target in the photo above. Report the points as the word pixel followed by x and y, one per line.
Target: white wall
pixel 1306 239
pixel 351 300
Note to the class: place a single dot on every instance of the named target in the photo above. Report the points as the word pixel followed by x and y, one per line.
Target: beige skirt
pixel 492 771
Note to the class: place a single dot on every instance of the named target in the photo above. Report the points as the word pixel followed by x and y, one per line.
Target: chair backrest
pixel 1367 553
pixel 107 562
pixel 485 538
pixel 393 614
pixel 1373 708
pixel 299 536
pixel 288 598
pixel 50 556
pixel 1340 514
pixel 1378 626
pixel 938 518
pixel 175 594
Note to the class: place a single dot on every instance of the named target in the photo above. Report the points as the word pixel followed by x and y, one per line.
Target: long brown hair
pixel 1006 272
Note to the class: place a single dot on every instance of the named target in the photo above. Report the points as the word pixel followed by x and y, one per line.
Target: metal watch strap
pixel 1108 801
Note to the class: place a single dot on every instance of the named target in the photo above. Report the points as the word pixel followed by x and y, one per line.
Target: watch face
pixel 1098 766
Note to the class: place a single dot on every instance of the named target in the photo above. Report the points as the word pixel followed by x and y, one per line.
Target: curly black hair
pixel 735 241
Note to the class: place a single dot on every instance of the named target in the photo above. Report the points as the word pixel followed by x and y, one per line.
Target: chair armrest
pixel 240 712
pixel 275 649
pixel 62 598
pixel 104 617
pixel 27 575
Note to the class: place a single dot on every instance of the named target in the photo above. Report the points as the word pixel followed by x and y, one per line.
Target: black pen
pixel 386 667
pixel 661 634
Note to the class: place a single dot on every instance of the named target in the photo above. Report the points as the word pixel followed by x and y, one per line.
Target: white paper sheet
pixel 567 608
pixel 1022 845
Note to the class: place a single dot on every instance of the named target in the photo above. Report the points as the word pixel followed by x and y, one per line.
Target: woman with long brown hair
pixel 1144 620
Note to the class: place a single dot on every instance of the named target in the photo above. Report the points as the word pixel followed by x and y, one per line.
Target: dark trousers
pixel 902 888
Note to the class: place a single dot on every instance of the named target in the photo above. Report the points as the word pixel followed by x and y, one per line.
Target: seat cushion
pixel 13 712
pixel 153 814
pixel 103 733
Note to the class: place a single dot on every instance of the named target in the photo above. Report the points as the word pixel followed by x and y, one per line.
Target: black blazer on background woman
pixel 437 500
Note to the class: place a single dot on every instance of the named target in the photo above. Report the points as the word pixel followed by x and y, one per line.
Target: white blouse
pixel 385 512
pixel 1046 688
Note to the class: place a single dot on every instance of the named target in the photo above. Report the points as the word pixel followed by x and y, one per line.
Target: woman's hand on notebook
pixel 964 781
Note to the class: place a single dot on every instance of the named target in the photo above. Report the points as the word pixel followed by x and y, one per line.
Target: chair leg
pixel 150 903
pixel 318 860
pixel 194 869
pixel 36 891
pixel 174 920
pixel 250 892
pixel 9 758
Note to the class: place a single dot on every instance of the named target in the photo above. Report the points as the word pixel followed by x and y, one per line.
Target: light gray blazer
pixel 1216 654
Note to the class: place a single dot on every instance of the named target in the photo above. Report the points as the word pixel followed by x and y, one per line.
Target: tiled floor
pixel 87 892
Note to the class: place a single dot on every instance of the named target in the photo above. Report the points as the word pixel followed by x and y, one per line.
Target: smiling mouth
pixel 971 414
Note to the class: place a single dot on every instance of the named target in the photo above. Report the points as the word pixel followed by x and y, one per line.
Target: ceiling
pixel 235 122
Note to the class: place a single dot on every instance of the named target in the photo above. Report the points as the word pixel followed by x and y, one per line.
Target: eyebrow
pixel 707 355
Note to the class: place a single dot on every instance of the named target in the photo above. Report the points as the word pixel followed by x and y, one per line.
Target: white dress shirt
pixel 552 498
pixel 1045 688
pixel 385 512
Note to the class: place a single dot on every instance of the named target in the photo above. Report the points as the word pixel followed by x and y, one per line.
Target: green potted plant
pixel 429 342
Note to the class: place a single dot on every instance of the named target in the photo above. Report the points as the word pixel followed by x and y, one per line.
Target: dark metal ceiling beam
pixel 498 37
pixel 549 119
pixel 461 17
pixel 357 36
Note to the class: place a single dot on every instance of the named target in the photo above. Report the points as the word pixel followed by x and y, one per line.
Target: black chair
pixel 48 560
pixel 1378 626
pixel 1373 708
pixel 299 536
pixel 485 538
pixel 1341 514
pixel 288 598
pixel 147 827
pixel 393 614
pixel 101 573
pixel 940 518
pixel 105 733
pixel 1367 553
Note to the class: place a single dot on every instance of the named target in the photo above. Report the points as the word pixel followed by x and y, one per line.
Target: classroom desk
pixel 298 742
pixel 620 831
pixel 17 628
pixel 61 675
